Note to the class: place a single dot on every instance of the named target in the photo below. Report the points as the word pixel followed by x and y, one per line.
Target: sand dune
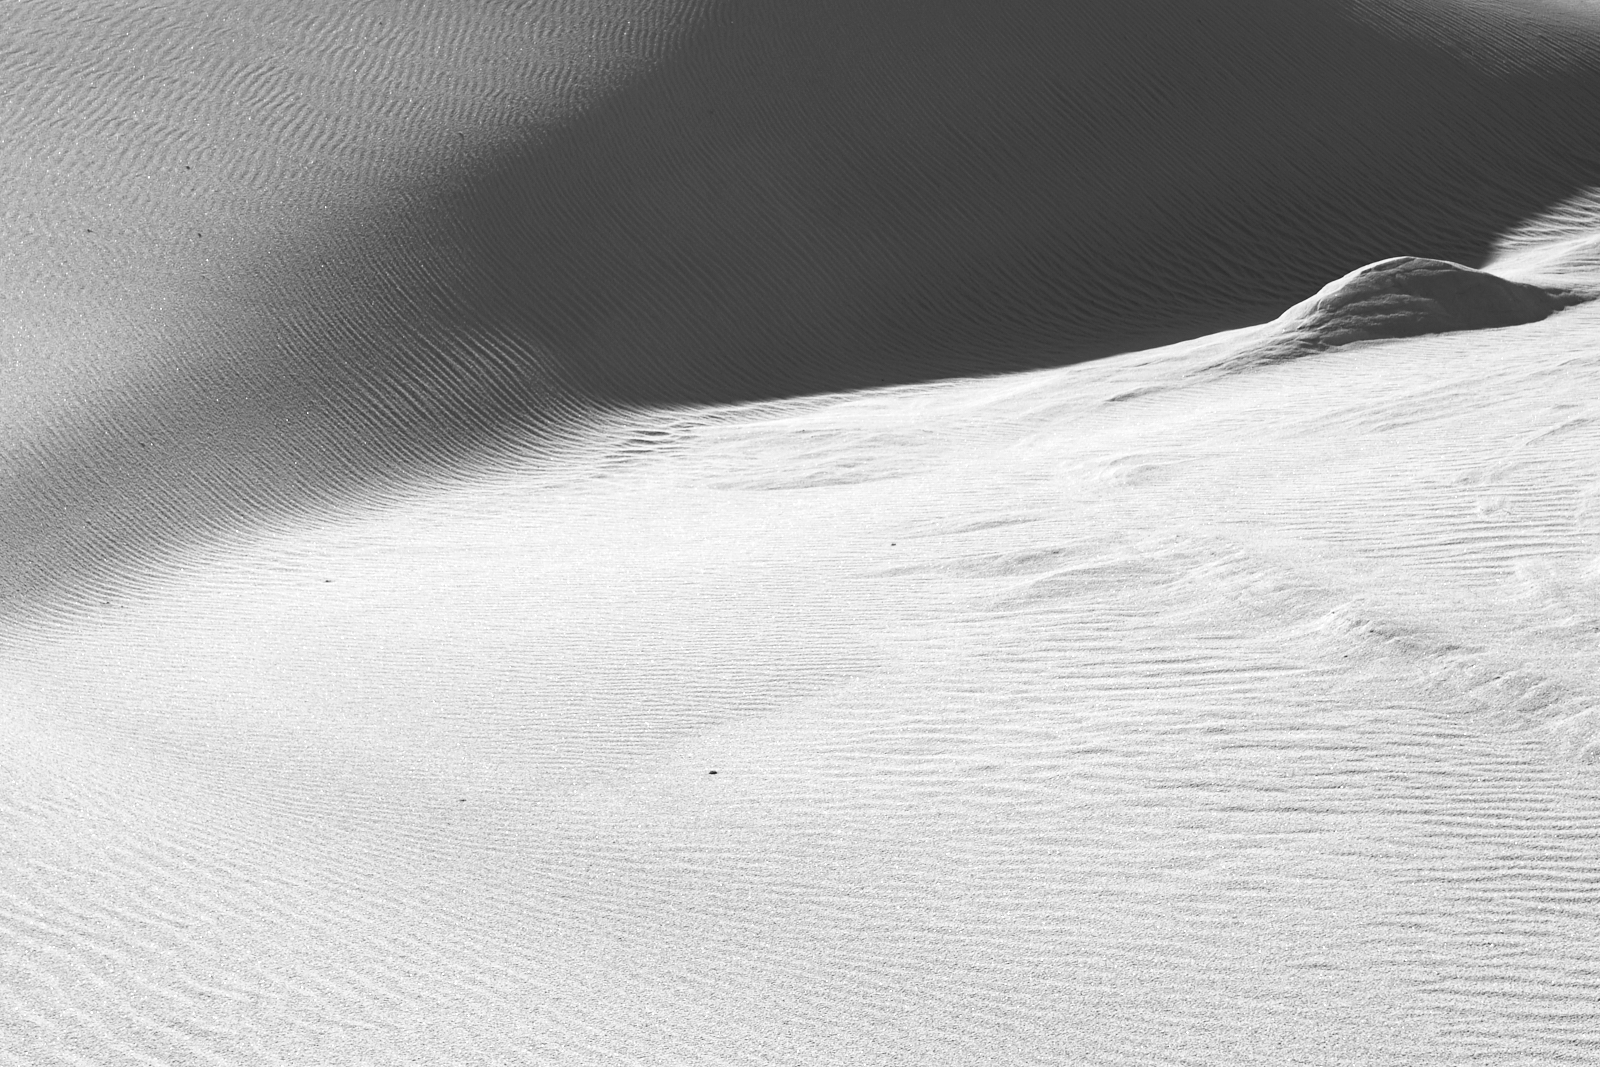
pixel 1247 722
pixel 743 201
pixel 557 403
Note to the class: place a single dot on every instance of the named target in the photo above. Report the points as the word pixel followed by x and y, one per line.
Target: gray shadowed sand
pixel 688 204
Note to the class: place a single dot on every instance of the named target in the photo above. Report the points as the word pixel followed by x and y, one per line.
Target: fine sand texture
pixel 1247 720
pixel 272 261
pixel 800 533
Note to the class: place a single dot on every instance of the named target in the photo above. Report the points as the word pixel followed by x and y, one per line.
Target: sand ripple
pixel 319 257
pixel 1248 722
pixel 420 470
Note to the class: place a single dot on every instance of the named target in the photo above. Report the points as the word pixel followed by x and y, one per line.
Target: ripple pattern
pixel 433 438
pixel 422 239
pixel 1247 721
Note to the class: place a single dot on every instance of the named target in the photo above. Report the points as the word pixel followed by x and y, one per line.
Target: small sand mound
pixel 1405 296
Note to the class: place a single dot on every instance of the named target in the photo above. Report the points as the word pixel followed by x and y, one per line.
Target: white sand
pixel 1191 706
pixel 1247 722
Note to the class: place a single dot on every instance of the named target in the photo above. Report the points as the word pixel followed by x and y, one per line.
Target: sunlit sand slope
pixel 271 261
pixel 446 618
pixel 1246 721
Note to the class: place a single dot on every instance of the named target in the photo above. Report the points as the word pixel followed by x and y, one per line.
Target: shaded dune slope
pixel 819 197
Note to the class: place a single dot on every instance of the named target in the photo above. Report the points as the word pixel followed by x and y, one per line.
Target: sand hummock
pixel 1403 296
pixel 1407 296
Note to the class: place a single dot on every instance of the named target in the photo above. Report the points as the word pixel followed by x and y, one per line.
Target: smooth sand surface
pixel 555 405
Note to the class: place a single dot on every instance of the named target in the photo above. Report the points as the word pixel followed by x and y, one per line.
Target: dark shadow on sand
pixel 816 197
